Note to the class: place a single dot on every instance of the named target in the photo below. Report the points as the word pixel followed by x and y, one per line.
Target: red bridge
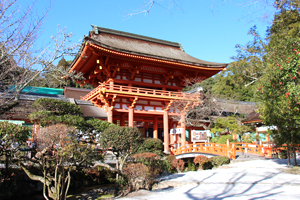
pixel 229 149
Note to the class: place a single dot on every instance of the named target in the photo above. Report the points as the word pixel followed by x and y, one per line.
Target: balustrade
pixel 109 88
pixel 229 149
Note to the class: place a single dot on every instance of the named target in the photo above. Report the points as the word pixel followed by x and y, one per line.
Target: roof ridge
pixel 97 30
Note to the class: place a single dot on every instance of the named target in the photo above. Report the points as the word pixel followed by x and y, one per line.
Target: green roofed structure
pixel 43 90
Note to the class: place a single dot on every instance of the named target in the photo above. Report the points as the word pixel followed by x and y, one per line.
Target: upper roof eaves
pixel 97 30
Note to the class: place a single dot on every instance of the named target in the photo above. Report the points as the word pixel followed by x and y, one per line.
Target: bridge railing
pixel 228 149
pixel 257 149
pixel 210 148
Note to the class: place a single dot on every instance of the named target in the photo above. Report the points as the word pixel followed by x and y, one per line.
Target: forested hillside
pixel 242 78
pixel 250 69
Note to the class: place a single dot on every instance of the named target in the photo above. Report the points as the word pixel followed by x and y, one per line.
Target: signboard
pixel 265 128
pixel 199 135
pixel 176 131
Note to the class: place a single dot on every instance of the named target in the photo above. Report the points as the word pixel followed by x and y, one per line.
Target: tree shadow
pixel 284 162
pixel 172 176
pixel 233 185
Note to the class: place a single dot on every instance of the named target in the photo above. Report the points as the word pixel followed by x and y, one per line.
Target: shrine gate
pixel 137 79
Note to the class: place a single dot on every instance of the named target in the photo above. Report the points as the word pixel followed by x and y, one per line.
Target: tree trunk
pixel 68 184
pixel 44 187
pixel 288 155
pixel 295 159
pixel 117 166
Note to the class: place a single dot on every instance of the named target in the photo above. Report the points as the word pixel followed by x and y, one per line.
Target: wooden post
pixel 130 117
pixel 233 152
pixel 183 127
pixel 228 148
pixel 234 136
pixel 166 132
pixel 110 115
pixel 111 85
pixel 260 148
pixel 122 120
pixel 155 128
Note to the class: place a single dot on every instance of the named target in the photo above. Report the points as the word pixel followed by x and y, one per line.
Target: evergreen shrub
pixel 219 160
pixel 223 139
pixel 190 165
pixel 151 160
pixel 152 145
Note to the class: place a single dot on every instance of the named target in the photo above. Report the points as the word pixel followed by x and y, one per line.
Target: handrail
pixel 224 149
pixel 122 89
pixel 210 148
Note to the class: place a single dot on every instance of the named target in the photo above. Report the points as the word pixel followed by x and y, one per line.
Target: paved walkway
pixel 253 179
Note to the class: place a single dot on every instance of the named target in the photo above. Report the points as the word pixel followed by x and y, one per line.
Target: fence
pixel 228 149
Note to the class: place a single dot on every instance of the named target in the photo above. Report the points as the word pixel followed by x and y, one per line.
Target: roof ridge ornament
pixel 95 29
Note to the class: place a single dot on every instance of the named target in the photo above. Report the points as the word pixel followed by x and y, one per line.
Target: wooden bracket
pixel 133 102
pixel 133 71
pixel 113 100
pixel 169 105
pixel 166 77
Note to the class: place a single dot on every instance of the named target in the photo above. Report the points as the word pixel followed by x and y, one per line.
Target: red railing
pixel 229 149
pixel 250 148
pixel 209 148
pixel 137 91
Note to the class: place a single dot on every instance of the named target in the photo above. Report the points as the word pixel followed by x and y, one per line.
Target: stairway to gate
pixel 232 150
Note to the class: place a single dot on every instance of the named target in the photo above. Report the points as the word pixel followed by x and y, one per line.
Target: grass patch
pixel 293 170
pixel 104 196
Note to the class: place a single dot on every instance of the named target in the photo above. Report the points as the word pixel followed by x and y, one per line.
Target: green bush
pixel 190 165
pixel 248 138
pixel 152 145
pixel 167 166
pixel 207 165
pixel 170 158
pixel 151 160
pixel 219 160
pixel 223 139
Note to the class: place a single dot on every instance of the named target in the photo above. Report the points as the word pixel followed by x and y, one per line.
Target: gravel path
pixel 256 179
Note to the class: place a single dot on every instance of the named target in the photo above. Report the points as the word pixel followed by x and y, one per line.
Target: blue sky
pixel 207 29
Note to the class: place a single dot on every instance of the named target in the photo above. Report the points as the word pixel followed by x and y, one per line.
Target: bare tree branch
pixel 265 8
pixel 199 113
pixel 21 61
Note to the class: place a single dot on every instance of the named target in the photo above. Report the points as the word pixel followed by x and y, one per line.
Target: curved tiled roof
pixel 144 46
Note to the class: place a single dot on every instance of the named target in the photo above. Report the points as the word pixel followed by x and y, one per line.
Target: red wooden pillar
pixel 166 132
pixel 122 120
pixel 109 115
pixel 155 128
pixel 130 117
pixel 183 127
pixel 111 85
